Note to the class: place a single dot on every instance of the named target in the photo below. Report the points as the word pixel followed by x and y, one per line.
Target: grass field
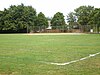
pixel 31 54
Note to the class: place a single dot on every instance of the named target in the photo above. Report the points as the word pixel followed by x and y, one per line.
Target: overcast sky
pixel 50 7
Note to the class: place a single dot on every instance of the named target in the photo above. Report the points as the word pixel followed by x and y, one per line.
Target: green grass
pixel 27 54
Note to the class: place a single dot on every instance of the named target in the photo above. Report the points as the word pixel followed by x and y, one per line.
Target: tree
pixel 58 19
pixel 1 21
pixel 95 18
pixel 40 23
pixel 18 18
pixel 5 20
pixel 71 18
pixel 29 16
pixel 83 13
pixel 42 20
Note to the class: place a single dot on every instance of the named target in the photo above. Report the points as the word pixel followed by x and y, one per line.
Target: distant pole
pixel 96 29
pixel 27 28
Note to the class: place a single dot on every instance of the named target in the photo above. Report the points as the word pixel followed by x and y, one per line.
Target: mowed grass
pixel 31 54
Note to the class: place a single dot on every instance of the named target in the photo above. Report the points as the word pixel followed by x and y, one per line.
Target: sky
pixel 50 7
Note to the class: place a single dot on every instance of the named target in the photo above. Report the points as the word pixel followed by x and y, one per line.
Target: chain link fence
pixel 64 29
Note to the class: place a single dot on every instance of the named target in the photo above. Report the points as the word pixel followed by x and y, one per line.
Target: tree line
pixel 19 18
pixel 85 15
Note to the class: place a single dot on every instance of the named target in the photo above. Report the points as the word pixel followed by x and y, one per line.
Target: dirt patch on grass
pixel 54 34
pixel 13 73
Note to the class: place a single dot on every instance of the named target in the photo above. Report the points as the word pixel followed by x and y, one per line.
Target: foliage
pixel 95 18
pixel 1 16
pixel 40 24
pixel 71 18
pixel 17 18
pixel 58 19
pixel 83 13
pixel 41 20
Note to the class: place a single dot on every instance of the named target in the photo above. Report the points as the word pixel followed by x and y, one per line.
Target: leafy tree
pixel 29 16
pixel 40 23
pixel 71 18
pixel 42 20
pixel 5 20
pixel 1 21
pixel 83 13
pixel 17 18
pixel 58 19
pixel 95 18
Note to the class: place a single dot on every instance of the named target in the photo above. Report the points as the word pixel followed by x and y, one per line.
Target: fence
pixel 64 29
